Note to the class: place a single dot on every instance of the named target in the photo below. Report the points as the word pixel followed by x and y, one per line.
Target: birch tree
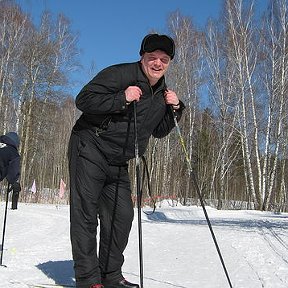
pixel 11 40
pixel 244 54
pixel 186 76
pixel 221 71
pixel 274 77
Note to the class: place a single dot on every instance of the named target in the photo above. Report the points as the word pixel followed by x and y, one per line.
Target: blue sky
pixel 110 31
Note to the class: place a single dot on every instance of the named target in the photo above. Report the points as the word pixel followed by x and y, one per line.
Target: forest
pixel 231 75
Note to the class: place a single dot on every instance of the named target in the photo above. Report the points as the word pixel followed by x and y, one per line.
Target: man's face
pixel 155 65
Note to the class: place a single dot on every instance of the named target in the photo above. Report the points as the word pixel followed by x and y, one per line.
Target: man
pixel 101 143
pixel 10 163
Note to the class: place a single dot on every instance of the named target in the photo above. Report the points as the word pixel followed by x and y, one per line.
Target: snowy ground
pixel 177 245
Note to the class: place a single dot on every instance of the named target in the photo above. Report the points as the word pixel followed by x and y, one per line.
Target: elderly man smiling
pixel 101 144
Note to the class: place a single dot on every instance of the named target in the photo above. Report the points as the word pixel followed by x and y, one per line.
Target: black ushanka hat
pixel 152 42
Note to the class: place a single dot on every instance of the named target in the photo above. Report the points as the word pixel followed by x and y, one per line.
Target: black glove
pixel 16 187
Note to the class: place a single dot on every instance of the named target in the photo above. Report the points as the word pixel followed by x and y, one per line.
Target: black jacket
pixel 9 160
pixel 108 122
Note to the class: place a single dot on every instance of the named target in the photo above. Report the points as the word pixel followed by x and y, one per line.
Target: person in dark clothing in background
pixel 10 163
pixel 101 143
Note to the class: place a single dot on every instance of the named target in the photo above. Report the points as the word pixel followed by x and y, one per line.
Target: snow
pixel 178 248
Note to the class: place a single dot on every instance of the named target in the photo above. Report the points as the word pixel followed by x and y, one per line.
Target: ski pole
pixel 4 225
pixel 138 192
pixel 192 173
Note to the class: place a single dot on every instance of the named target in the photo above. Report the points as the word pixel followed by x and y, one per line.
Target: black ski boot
pixel 122 284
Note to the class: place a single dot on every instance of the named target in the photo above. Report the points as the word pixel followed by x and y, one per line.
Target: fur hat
pixel 152 42
pixel 14 137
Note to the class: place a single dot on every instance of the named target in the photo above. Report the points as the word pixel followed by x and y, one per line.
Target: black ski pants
pixel 102 192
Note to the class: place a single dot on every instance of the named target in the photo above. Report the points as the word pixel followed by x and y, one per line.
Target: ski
pixel 49 286
pixel 43 285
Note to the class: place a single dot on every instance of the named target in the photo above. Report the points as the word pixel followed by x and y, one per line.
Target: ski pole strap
pixel 146 172
pixel 9 188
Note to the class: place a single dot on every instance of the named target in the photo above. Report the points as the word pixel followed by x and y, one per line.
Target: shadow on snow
pixel 60 271
pixel 160 217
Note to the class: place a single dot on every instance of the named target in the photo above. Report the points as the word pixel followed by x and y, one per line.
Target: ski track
pixel 271 265
pixel 278 247
pixel 273 240
pixel 178 248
